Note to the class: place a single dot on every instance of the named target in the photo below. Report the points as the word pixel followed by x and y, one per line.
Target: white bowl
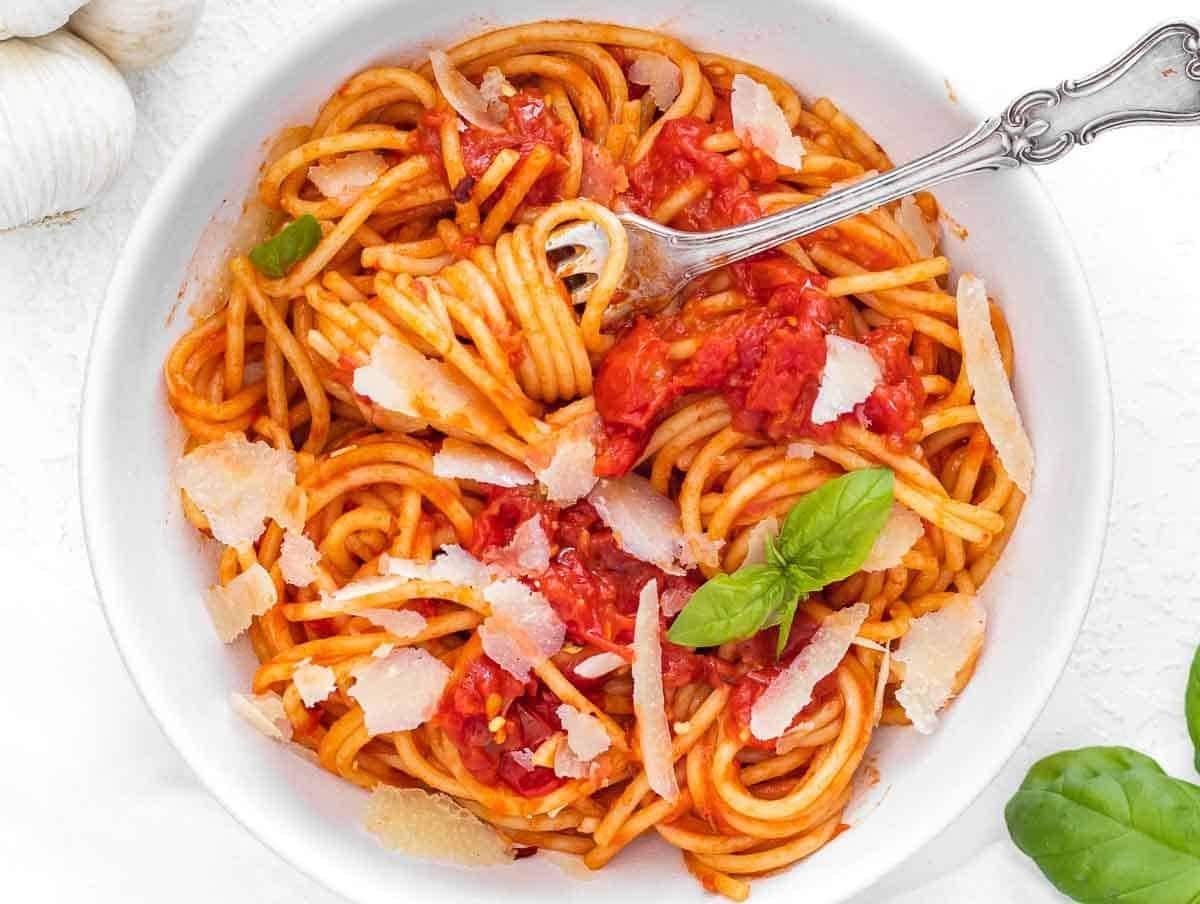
pixel 150 567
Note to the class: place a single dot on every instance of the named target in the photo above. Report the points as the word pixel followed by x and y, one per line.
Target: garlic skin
pixel 33 18
pixel 137 33
pixel 66 126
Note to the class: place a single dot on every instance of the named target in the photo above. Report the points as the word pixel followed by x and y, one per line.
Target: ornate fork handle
pixel 1155 81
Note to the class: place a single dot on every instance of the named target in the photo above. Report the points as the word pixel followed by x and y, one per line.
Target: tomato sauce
pixel 529 711
pixel 592 584
pixel 530 122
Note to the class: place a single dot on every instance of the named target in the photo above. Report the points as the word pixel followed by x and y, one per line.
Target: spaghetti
pixel 427 328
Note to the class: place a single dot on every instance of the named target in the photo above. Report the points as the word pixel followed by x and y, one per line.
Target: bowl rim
pixel 103 351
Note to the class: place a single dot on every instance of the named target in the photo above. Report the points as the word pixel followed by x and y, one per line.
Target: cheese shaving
pixel 467 100
pixel 801 450
pixel 791 690
pixel 902 529
pixel 993 394
pixel 916 227
pixel 233 606
pixel 937 645
pixel 644 522
pixel 432 826
pixel 850 375
pixel 585 734
pixel 522 631
pixel 399 692
pixel 756 542
pixel 265 712
pixel 758 120
pixel 238 484
pixel 313 682
pixel 453 564
pixel 298 558
pixel 347 177
pixel 571 472
pixel 467 461
pixel 654 730
pixel 674 599
pixel 659 74
pixel 528 553
pixel 403 623
pixel 402 380
pixel 599 665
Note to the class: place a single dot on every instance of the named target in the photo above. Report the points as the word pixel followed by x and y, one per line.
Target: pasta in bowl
pixel 554 578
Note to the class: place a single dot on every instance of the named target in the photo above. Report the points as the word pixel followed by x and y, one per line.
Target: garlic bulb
pixel 31 18
pixel 66 126
pixel 137 33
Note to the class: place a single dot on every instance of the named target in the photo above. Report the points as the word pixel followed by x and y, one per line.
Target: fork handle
pixel 1155 81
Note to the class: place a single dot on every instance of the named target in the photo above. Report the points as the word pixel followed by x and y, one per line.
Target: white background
pixel 96 805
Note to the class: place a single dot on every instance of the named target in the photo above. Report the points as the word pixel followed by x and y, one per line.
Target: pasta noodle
pixel 436 266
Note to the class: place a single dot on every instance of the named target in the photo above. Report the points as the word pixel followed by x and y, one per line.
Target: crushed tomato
pixel 530 122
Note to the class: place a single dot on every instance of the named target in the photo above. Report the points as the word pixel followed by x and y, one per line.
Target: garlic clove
pixel 66 126
pixel 33 18
pixel 137 33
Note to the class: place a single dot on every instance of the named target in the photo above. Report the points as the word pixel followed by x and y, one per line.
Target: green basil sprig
pixel 296 240
pixel 1191 705
pixel 1107 824
pixel 825 538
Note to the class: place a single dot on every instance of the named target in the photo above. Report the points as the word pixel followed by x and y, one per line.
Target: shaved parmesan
pixel 902 529
pixel 644 522
pixel 235 605
pixel 400 691
pixel 465 98
pixel 937 645
pixel 298 558
pixel 649 706
pixel 339 600
pixel 850 375
pixel 674 599
pixel 756 543
pixel 528 553
pixel 453 565
pixel 522 631
pixel 585 735
pixel 659 74
pixel 399 378
pixel 265 712
pixel 433 827
pixel 493 88
pixel 759 121
pixel 403 623
pixel 568 765
pixel 993 394
pixel 314 682
pixel 916 227
pixel 602 178
pixel 523 758
pixel 791 690
pixel 599 665
pixel 383 650
pixel 800 450
pixel 571 473
pixel 467 461
pixel 238 484
pixel 347 177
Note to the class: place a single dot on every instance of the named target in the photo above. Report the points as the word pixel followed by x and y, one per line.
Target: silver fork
pixel 1156 81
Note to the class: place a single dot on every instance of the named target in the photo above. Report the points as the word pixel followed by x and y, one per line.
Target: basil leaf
pixel 277 255
pixel 1052 771
pixel 785 624
pixel 730 607
pixel 1106 824
pixel 829 532
pixel 1191 706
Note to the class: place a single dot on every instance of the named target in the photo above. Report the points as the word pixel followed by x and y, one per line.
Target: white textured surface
pixel 99 808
